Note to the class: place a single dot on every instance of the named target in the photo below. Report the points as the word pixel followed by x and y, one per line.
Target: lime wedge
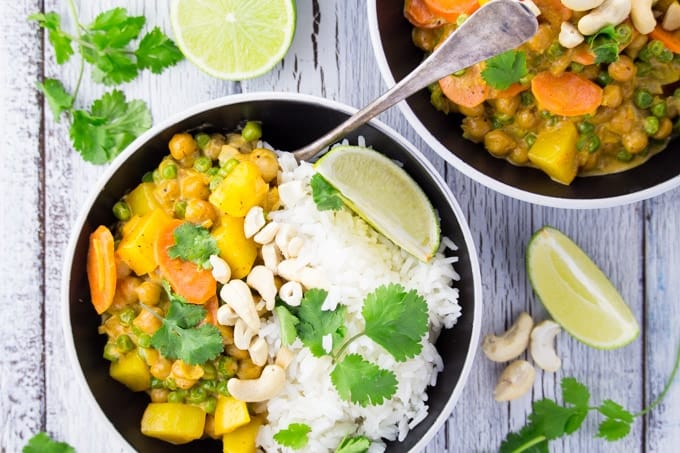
pixel 384 195
pixel 576 292
pixel 233 39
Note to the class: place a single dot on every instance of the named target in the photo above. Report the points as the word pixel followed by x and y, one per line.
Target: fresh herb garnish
pixel 355 444
pixel 180 336
pixel 100 133
pixel 605 45
pixel 295 436
pixel 505 69
pixel 550 421
pixel 362 382
pixel 43 443
pixel 326 197
pixel 288 323
pixel 316 323
pixel 193 243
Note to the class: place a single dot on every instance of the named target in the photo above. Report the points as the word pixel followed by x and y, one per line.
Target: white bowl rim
pixel 269 96
pixel 476 175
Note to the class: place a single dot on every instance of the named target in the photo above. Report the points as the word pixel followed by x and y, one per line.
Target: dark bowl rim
pixel 268 96
pixel 476 175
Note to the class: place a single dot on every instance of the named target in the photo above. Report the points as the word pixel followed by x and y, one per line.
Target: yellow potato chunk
pixel 137 248
pixel 242 440
pixel 240 190
pixel 554 152
pixel 173 422
pixel 132 371
pixel 237 250
pixel 230 414
pixel 142 199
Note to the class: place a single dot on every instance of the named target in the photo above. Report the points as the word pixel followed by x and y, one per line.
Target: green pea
pixel 555 50
pixel 642 98
pixel 459 73
pixel 643 68
pixel 124 343
pixel 659 109
pixel 527 98
pixel 196 395
pixel 655 47
pixel 227 366
pixel 121 211
pixel 228 166
pixel 111 352
pixel 530 139
pixel 209 386
pixel 209 405
pixel 148 177
pixel 176 396
pixel 438 99
pixel 156 175
pixel 576 67
pixel 603 78
pixel 666 56
pixel 212 171
pixel 180 208
pixel 172 385
pixel 144 340
pixel 202 139
pixel 645 54
pixel 651 125
pixel 460 19
pixel 156 383
pixel 251 131
pixel 202 164
pixel 209 371
pixel 624 33
pixel 624 156
pixel 214 182
pixel 585 127
pixel 126 316
pixel 222 388
pixel 169 171
pixel 588 142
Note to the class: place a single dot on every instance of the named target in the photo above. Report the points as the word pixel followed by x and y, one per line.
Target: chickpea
pixel 638 42
pixel 182 145
pixel 665 129
pixel 229 152
pixel 200 212
pixel 475 128
pixel 122 269
pixel 507 106
pixel 266 161
pixel 272 202
pixel 525 119
pixel 238 142
pixel 161 368
pixel 542 39
pixel 424 38
pixel 126 291
pixel 612 96
pixel 159 395
pixel 586 160
pixel 183 370
pixel 167 191
pixel 248 370
pixel 622 70
pixel 148 322
pixel 148 293
pixel 519 155
pixel 499 143
pixel 635 141
pixel 235 352
pixel 227 333
pixel 214 146
pixel 194 186
pixel 477 110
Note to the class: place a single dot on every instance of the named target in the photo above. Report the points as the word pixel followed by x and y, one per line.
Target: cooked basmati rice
pixel 355 260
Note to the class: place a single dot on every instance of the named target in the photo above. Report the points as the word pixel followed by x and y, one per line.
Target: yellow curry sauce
pixel 607 117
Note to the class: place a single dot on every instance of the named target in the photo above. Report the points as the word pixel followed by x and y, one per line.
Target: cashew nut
pixel 226 315
pixel 542 346
pixel 569 36
pixel 291 293
pixel 290 269
pixel 271 256
pixel 261 279
pixel 291 192
pixel 267 233
pixel 514 381
pixel 294 247
pixel 284 357
pixel 268 385
pixel 238 296
pixel 671 20
pixel 220 269
pixel 642 16
pixel 311 277
pixel 242 335
pixel 254 221
pixel 512 343
pixel 581 5
pixel 611 12
pixel 259 351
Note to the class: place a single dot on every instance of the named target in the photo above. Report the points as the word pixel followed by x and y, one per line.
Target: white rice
pixel 355 260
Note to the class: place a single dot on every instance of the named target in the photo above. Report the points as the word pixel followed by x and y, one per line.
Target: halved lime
pixel 576 292
pixel 233 39
pixel 384 195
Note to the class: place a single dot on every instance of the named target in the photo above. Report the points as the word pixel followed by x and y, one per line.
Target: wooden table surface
pixel 44 182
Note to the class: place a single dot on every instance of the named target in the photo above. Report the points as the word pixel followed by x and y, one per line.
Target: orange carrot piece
pixel 196 285
pixel 101 269
pixel 583 55
pixel 670 39
pixel 567 94
pixel 512 90
pixel 468 89
pixel 417 12
pixel 211 307
pixel 451 9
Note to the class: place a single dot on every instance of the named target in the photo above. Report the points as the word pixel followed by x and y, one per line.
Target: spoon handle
pixel 497 26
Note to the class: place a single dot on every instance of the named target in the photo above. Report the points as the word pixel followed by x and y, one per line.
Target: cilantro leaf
pixel 573 392
pixel 295 436
pixel 287 324
pixel 156 52
pixel 550 418
pixel 528 439
pixel 397 320
pixel 61 42
pixel 172 296
pixel 610 409
pixel 505 69
pixel 355 444
pixel 326 197
pixel 611 429
pixel 111 125
pixel 316 323
pixel 362 382
pixel 58 99
pixel 43 443
pixel 604 45
pixel 193 243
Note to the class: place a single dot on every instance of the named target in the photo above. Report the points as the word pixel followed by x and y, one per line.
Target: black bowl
pixel 397 56
pixel 290 121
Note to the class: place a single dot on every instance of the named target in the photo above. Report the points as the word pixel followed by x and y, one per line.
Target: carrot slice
pixel 670 39
pixel 512 90
pixel 211 307
pixel 196 285
pixel 468 89
pixel 567 94
pixel 417 12
pixel 101 269
pixel 451 9
pixel 583 54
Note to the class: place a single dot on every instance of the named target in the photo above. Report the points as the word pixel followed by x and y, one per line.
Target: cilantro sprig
pixel 101 132
pixel 325 196
pixel 505 69
pixel 394 318
pixel 193 243
pixel 354 444
pixel 180 335
pixel 43 443
pixel 295 436
pixel 549 420
pixel 605 43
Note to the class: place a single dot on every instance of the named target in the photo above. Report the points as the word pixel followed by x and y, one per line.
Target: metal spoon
pixel 497 26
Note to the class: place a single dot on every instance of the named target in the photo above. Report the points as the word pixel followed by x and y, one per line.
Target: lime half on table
pixel 384 195
pixel 576 292
pixel 233 39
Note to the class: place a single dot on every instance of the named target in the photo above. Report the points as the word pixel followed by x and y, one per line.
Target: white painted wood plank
pixel 22 378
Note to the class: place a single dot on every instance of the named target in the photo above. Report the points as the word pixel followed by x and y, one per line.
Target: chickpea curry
pixel 154 280
pixel 595 91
